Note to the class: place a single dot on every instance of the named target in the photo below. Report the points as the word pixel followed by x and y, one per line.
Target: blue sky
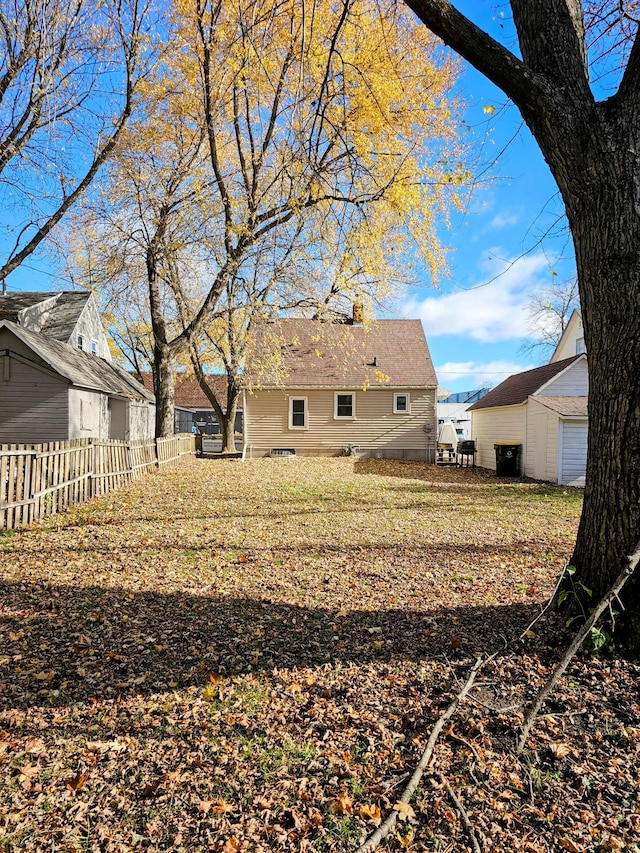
pixel 506 246
pixel 503 248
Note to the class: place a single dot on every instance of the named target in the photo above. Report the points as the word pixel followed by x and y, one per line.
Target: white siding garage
pixel 545 410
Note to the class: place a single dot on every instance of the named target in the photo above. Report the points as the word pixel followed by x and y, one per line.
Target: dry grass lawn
pixel 232 657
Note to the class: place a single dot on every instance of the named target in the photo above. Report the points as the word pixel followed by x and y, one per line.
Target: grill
pixel 465 451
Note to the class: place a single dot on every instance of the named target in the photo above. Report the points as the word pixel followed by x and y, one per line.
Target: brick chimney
pixel 358 312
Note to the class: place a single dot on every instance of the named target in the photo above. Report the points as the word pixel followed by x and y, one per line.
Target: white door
pixel 573 461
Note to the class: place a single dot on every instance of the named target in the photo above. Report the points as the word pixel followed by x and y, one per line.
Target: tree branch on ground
pixel 577 642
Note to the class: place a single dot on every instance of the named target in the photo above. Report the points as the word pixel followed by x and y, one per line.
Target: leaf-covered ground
pixel 251 656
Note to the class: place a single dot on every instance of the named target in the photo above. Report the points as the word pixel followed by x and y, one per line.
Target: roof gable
pixel 53 314
pixel 516 389
pixel 312 353
pixel 79 368
pixel 574 330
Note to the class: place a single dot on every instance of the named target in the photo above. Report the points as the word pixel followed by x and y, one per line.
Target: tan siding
pixel 34 405
pixel 502 423
pixel 376 428
pixel 542 439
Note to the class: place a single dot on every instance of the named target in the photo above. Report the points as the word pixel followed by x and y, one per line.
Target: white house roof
pixel 81 369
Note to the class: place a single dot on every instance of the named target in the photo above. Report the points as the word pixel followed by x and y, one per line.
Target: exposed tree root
pixel 578 640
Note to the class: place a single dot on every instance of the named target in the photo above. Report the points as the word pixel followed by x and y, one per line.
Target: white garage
pixel 544 411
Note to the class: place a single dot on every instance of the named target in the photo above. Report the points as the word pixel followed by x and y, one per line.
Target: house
pixel 572 339
pixel 544 411
pixel 55 384
pixel 324 389
pixel 70 317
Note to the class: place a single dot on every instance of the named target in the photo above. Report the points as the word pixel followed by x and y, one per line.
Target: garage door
pixel 574 451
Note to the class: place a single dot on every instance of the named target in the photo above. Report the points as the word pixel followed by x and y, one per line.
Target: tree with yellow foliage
pixel 328 142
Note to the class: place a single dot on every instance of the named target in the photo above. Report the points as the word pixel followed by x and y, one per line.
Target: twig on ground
pixel 450 733
pixel 547 606
pixel 384 829
pixel 578 640
pixel 462 812
pixel 390 784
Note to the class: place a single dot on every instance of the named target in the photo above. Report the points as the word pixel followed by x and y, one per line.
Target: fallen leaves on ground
pixel 230 657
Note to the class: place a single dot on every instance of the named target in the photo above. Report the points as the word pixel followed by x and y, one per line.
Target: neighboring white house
pixel 71 317
pixel 326 388
pixel 544 411
pixel 55 384
pixel 572 340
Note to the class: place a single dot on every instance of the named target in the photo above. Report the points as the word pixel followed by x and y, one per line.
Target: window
pixel 344 405
pixel 401 404
pixel 298 413
pixel 80 342
pixel 579 346
pixel 94 347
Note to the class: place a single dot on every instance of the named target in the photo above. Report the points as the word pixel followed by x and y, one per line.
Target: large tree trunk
pixel 606 231
pixel 164 378
pixel 592 150
pixel 229 421
pixel 228 432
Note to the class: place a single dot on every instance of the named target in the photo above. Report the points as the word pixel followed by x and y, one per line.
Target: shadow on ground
pixel 64 645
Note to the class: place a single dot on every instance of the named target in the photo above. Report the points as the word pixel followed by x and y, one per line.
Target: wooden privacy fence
pixel 37 480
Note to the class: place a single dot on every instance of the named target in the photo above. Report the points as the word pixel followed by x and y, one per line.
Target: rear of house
pixel 342 388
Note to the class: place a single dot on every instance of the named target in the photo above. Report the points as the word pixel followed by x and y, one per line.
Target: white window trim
pixel 80 342
pixel 350 417
pixel 306 412
pixel 94 347
pixel 396 410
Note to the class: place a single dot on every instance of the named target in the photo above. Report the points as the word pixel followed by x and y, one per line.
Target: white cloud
pixel 475 374
pixel 504 219
pixel 487 312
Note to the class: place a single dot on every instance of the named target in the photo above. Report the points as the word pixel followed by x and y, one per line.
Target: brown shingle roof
pixel 567 406
pixel 517 388
pixel 189 395
pixel 383 353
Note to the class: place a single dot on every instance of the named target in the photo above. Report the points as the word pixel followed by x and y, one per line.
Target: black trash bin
pixel 507 459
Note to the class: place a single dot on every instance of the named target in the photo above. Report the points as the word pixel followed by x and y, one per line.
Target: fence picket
pixel 43 479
